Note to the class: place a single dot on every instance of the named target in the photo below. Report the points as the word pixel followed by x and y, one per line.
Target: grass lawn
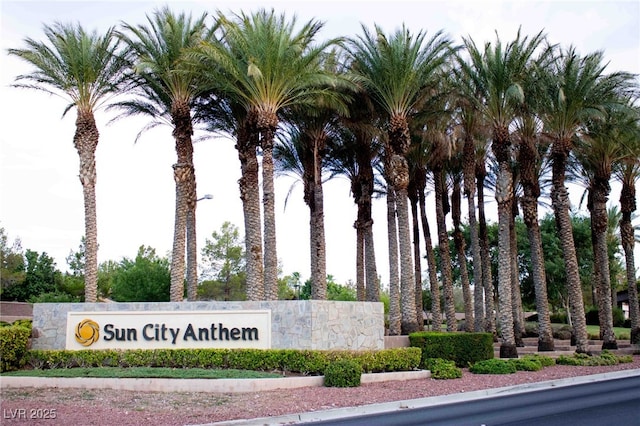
pixel 145 372
pixel 620 332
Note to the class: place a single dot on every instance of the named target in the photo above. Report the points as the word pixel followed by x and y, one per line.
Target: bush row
pixel 14 340
pixel 461 348
pixel 286 360
pixel 605 358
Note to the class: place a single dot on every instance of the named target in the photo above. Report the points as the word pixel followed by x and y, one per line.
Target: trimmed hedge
pixel 462 348
pixel 14 340
pixel 343 373
pixel 286 360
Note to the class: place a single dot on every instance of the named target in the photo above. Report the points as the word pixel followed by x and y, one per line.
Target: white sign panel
pixel 169 329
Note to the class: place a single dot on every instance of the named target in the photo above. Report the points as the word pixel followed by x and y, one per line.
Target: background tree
pixel 87 70
pixel 145 279
pixel 40 276
pixel 223 264
pixel 12 266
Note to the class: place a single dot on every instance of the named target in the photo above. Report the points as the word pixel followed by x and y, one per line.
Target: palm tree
pixel 532 148
pixel 224 116
pixel 353 154
pixel 598 150
pixel 265 64
pixel 495 79
pixel 396 70
pixel 483 237
pixel 440 153
pixel 86 69
pixel 578 90
pixel 455 175
pixel 419 158
pixel 166 87
pixel 627 171
pixel 301 151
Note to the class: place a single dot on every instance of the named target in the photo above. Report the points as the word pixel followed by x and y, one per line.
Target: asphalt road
pixel 609 402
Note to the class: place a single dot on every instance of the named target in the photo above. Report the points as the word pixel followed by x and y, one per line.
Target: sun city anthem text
pixel 162 333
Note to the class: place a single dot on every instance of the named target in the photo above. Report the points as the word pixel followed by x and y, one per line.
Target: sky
pixel 40 193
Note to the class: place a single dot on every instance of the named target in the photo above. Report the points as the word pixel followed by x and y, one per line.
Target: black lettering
pixel 108 332
pixel 132 334
pixel 223 330
pixel 189 332
pixel 235 333
pixel 144 332
pixel 203 334
pixel 249 333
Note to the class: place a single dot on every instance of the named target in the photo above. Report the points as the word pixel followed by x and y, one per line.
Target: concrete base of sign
pixel 198 385
pixel 295 324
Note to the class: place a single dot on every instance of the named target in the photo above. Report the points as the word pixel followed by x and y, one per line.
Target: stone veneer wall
pixel 295 324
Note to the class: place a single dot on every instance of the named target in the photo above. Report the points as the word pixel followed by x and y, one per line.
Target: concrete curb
pixel 338 413
pixel 196 385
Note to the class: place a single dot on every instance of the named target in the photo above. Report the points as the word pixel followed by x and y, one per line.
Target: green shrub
pixel 285 360
pixel 493 366
pixel 558 318
pixel 605 358
pixel 14 340
pixel 462 348
pixel 343 373
pixel 526 364
pixel 442 368
pixel 545 361
pixel 563 333
pixel 26 323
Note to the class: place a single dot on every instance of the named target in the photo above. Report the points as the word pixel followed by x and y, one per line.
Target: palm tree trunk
pixel 627 207
pixel 529 159
pixel 85 140
pixel 250 197
pixel 470 193
pixel 483 238
pixel 434 286
pixel 192 257
pixel 504 198
pixel 516 297
pixel 599 219
pixel 319 274
pixel 183 176
pixel 360 273
pixel 192 244
pixel 560 203
pixel 407 283
pixel 505 314
pixel 417 269
pixel 530 214
pixel 458 239
pixel 445 257
pixel 268 205
pixel 394 274
pixel 373 284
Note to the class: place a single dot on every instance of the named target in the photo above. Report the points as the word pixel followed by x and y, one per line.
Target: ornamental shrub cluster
pixel 343 373
pixel 462 348
pixel 442 368
pixel 306 362
pixel 605 358
pixel 14 341
pixel 532 362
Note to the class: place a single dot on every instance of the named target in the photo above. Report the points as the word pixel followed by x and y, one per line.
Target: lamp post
pixel 192 259
pixel 205 197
